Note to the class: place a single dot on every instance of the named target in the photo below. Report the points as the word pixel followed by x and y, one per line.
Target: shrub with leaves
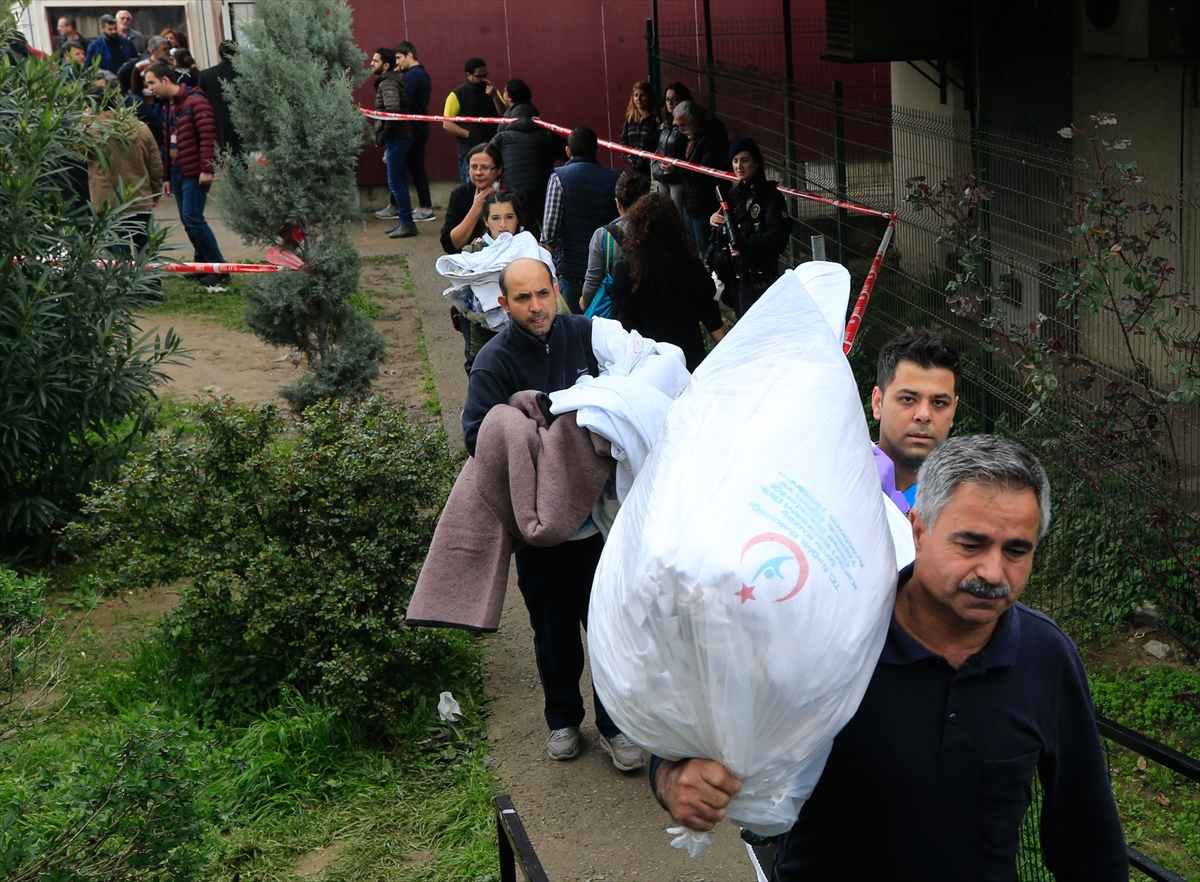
pixel 301 554
pixel 1120 425
pixel 294 185
pixel 76 369
pixel 30 665
pixel 131 806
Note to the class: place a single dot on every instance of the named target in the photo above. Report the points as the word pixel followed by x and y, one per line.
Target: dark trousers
pixel 398 150
pixel 191 197
pixel 416 167
pixel 557 584
pixel 571 288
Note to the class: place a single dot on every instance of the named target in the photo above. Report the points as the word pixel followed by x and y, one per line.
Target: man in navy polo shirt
pixel 973 693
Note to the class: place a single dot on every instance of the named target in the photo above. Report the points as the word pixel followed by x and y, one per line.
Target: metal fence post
pixel 708 59
pixel 789 115
pixel 653 68
pixel 839 162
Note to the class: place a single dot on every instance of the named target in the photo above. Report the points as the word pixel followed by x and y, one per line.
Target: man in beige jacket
pixel 127 157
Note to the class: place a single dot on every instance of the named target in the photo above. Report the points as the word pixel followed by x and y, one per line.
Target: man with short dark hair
pixel 395 136
pixel 475 97
pixel 541 350
pixel 68 32
pixel 125 29
pixel 110 47
pixel 529 153
pixel 579 199
pixel 213 81
pixel 972 695
pixel 418 88
pixel 918 377
pixel 189 140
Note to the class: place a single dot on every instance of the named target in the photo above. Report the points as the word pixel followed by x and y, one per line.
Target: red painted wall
pixel 580 58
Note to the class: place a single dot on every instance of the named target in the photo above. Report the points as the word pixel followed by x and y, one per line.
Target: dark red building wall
pixel 580 58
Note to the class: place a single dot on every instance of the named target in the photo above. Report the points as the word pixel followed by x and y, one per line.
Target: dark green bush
pixel 76 369
pixel 300 555
pixel 30 666
pixel 131 806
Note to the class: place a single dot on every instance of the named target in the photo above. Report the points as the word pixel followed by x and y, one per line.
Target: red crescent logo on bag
pixel 777 563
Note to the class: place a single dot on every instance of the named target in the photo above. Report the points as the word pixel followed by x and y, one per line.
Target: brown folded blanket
pixel 528 483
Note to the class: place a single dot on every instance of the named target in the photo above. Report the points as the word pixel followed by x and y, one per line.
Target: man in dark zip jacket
pixel 541 350
pixel 529 153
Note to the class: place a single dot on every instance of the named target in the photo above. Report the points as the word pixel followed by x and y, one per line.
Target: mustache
pixel 977 587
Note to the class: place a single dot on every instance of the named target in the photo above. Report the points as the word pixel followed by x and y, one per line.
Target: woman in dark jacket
pixel 672 142
pixel 641 126
pixel 762 226
pixel 660 287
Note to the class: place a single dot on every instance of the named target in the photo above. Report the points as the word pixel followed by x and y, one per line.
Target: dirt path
pixel 588 822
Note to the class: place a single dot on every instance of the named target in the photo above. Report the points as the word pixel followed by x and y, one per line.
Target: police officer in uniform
pixel 745 250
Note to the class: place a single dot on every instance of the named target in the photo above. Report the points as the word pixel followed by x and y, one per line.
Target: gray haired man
pixel 973 694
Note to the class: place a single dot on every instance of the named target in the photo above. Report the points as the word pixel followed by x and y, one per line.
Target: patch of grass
pixel 1160 810
pixel 365 304
pixel 184 297
pixel 432 405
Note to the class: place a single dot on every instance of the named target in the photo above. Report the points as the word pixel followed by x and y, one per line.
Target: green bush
pixel 30 668
pixel 131 806
pixel 76 370
pixel 300 555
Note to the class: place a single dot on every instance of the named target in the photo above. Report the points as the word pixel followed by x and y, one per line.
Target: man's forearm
pixel 455 129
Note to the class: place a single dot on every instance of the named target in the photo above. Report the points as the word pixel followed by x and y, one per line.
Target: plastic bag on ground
pixel 745 590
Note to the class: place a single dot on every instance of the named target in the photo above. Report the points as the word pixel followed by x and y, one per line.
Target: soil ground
pixel 588 821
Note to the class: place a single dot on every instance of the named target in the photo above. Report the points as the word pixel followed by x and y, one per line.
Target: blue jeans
pixel 571 288
pixel 463 162
pixel 191 196
pixel 701 229
pixel 397 157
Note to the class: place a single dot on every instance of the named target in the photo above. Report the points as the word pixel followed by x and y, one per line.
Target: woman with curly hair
pixel 660 288
pixel 641 126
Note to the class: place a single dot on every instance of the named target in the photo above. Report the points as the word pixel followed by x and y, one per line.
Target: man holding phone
pixel 475 97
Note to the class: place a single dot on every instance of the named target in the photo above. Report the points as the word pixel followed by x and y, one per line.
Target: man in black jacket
pixel 541 350
pixel 395 137
pixel 708 145
pixel 213 81
pixel 529 153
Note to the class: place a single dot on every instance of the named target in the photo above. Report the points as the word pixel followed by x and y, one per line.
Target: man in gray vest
pixel 579 200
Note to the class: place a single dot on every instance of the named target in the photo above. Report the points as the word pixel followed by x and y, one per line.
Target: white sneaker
pixel 388 211
pixel 424 214
pixel 626 755
pixel 563 744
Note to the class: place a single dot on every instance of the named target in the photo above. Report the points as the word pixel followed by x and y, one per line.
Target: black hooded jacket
pixel 529 153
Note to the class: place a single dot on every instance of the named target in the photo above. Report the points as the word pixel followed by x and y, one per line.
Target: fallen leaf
pixel 1163 801
pixel 1141 763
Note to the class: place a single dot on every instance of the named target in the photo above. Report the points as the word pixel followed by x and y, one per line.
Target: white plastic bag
pixel 744 592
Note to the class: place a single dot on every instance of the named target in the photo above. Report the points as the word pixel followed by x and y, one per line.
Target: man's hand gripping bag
pixel 744 593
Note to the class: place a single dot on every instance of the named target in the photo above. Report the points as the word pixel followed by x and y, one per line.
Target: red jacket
pixel 195 133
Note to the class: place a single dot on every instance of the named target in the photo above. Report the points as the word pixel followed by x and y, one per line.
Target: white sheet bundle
pixel 475 278
pixel 744 593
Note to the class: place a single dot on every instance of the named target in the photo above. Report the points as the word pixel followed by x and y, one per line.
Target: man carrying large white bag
pixel 745 589
pixel 973 692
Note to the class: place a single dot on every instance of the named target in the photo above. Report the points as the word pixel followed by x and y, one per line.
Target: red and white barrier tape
pixel 632 151
pixel 864 296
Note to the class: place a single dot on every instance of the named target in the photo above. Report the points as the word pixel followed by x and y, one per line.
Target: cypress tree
pixel 294 184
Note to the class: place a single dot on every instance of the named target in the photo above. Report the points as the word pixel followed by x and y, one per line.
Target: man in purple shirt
pixel 917 381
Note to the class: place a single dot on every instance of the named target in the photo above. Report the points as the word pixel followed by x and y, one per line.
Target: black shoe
pixel 211 279
pixel 403 231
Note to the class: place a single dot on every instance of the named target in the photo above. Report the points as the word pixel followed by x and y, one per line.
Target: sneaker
pixel 403 231
pixel 213 279
pixel 424 214
pixel 387 211
pixel 563 744
pixel 626 755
